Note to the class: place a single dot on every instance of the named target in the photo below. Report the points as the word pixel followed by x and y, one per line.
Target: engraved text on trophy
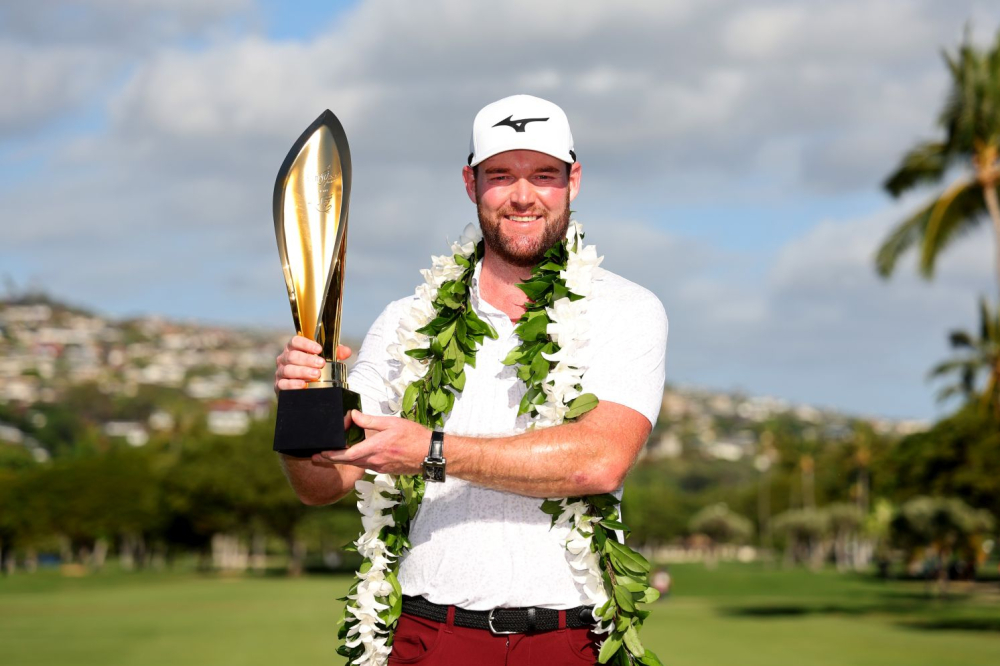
pixel 312 207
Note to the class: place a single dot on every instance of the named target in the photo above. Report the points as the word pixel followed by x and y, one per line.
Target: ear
pixel 469 176
pixel 574 180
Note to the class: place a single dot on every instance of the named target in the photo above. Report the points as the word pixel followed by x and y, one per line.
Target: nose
pixel 523 194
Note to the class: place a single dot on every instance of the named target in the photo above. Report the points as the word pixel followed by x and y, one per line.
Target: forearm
pixel 587 457
pixel 319 483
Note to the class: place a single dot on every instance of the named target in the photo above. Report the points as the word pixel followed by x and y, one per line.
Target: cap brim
pixel 569 158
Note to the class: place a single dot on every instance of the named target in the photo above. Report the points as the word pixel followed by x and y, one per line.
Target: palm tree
pixel 944 527
pixel 845 522
pixel 971 123
pixel 976 354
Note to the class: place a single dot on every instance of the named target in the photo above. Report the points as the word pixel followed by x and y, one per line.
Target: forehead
pixel 522 160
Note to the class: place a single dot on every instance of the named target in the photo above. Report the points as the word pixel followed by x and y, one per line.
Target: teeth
pixel 523 218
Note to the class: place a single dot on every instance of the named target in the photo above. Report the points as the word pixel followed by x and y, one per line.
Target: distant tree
pixel 14 458
pixel 807 467
pixel 803 531
pixel 959 456
pixel 795 448
pixel 269 497
pixel 722 526
pixel 656 512
pixel 943 527
pixel 878 526
pixel 976 353
pixel 971 123
pixel 844 522
pixel 230 486
pixel 93 500
pixel 69 427
pixel 661 495
pixel 22 514
pixel 328 529
pixel 203 496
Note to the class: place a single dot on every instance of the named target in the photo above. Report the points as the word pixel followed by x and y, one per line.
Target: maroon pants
pixel 420 641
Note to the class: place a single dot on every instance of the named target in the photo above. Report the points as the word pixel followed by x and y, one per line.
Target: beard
pixel 520 251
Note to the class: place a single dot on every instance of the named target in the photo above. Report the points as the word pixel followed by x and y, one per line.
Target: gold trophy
pixel 311 196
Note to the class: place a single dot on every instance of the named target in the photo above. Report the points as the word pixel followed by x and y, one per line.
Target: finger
pixel 317 459
pixel 298 372
pixel 352 454
pixel 304 344
pixel 366 462
pixel 290 384
pixel 304 359
pixel 369 422
pixel 343 352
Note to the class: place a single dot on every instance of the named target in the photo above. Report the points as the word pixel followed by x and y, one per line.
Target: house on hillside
pixel 233 417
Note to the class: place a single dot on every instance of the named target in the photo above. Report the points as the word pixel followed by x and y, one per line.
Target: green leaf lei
pixel 455 333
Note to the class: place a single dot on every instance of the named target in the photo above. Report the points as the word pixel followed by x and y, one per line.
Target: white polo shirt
pixel 479 548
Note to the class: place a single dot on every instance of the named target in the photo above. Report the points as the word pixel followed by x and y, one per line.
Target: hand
pixel 392 446
pixel 299 363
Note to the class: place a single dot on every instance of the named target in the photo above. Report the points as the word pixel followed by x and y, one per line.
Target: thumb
pixel 369 422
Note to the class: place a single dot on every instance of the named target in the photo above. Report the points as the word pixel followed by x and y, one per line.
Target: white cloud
pixel 133 24
pixel 40 84
pixel 660 88
pixel 674 105
pixel 56 55
pixel 886 31
pixel 813 321
pixel 844 336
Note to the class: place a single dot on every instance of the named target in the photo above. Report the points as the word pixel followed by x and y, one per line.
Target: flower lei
pixel 437 338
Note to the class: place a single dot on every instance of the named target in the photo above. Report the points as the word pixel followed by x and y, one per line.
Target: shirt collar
pixel 497 317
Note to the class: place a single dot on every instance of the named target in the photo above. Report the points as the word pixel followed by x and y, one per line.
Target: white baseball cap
pixel 521 122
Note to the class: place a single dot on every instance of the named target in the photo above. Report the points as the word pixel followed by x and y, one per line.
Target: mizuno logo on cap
pixel 518 125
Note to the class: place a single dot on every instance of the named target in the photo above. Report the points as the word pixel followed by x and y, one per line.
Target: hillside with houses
pixel 154 374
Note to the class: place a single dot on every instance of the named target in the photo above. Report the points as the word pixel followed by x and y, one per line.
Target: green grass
pixel 738 614
pixel 752 616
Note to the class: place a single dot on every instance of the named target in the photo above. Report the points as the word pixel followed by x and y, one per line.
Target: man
pixel 480 541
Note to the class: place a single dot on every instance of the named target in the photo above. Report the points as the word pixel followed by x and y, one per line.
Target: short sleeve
pixel 628 347
pixel 367 375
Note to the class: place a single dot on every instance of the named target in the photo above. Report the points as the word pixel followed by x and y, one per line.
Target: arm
pixel 319 483
pixel 589 456
pixel 585 457
pixel 315 483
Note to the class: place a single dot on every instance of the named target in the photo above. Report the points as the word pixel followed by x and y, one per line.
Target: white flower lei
pixel 569 329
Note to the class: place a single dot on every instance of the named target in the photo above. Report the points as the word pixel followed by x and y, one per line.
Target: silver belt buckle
pixel 489 623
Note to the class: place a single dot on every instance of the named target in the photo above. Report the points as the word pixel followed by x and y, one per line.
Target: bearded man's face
pixel 522 199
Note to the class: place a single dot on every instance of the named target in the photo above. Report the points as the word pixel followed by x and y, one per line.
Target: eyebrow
pixel 544 169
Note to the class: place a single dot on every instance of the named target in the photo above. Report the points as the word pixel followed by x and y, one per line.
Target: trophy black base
pixel 316 419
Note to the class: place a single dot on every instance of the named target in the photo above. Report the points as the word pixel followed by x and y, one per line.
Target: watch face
pixel 433 471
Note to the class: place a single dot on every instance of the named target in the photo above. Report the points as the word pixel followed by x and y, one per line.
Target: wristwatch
pixel 434 462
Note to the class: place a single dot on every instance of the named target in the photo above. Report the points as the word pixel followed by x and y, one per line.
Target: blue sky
pixel 732 155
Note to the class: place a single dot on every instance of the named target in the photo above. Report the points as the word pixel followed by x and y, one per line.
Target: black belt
pixel 502 620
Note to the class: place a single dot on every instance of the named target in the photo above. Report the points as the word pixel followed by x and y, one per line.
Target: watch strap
pixel 436 450
pixel 434 463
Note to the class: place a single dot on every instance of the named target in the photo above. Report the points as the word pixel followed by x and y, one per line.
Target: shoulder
pixel 399 307
pixel 384 332
pixel 625 302
pixel 384 328
pixel 394 311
